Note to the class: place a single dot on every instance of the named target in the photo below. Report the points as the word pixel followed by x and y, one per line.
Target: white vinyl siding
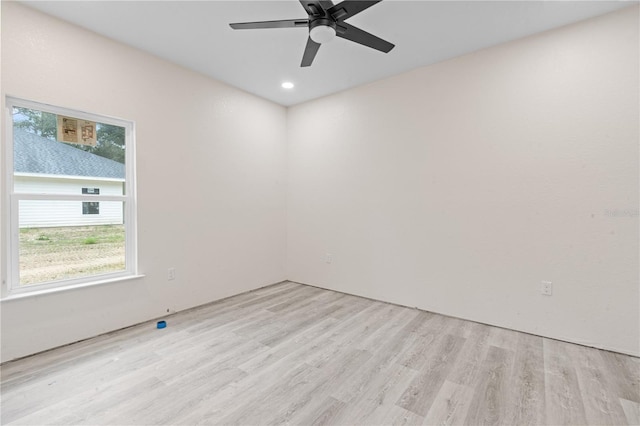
pixel 47 184
pixel 50 213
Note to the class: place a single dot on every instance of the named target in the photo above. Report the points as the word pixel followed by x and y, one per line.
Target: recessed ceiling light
pixel 287 85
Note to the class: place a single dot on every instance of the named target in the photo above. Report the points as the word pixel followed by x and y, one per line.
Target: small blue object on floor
pixel 162 324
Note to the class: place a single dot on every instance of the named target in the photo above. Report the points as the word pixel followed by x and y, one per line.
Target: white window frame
pixel 13 199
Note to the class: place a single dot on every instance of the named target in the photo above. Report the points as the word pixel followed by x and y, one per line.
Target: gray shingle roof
pixel 35 154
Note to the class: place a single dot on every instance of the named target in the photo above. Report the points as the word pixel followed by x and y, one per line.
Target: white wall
pixel 51 213
pixel 211 171
pixel 459 187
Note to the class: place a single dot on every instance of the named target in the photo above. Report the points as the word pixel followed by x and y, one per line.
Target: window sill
pixel 17 296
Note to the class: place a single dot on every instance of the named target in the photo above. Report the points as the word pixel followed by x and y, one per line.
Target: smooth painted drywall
pixel 459 187
pixel 211 179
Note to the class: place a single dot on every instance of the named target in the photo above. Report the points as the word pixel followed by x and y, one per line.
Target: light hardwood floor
pixel 296 354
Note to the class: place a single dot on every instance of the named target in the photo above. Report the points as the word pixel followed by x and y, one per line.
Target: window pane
pixel 58 242
pixel 90 207
pixel 54 213
pixel 72 160
pixel 44 165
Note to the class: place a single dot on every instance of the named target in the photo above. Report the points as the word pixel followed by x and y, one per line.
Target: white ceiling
pixel 196 35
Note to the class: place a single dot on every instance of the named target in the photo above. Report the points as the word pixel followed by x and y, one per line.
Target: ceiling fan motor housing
pixel 322 30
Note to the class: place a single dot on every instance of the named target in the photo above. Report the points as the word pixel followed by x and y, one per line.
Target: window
pixel 71 197
pixel 90 207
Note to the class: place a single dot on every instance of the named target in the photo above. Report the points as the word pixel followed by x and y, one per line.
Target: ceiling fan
pixel 325 21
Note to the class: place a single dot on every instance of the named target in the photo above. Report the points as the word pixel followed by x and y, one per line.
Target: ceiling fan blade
pixel 347 8
pixel 326 4
pixel 309 52
pixel 284 23
pixel 313 7
pixel 349 32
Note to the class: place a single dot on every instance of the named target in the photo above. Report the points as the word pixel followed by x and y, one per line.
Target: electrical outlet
pixel 171 274
pixel 546 288
pixel 328 258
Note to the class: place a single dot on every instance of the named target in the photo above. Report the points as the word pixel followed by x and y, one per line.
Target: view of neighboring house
pixel 42 165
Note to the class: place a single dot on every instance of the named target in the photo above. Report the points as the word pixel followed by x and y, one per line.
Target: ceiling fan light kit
pixel 322 31
pixel 325 22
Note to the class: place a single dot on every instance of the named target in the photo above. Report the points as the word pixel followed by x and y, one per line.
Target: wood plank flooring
pixel 294 354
